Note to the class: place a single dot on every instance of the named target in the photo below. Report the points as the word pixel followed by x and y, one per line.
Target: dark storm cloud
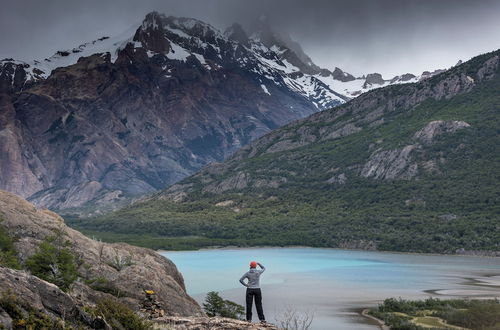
pixel 388 36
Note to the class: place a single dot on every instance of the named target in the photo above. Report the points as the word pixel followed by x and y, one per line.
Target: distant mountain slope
pixel 412 167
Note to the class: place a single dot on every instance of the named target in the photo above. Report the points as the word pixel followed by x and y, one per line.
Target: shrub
pixel 8 253
pixel 119 315
pixel 104 285
pixel 120 262
pixel 480 315
pixel 292 319
pixel 54 262
pixel 215 305
pixel 25 316
pixel 472 314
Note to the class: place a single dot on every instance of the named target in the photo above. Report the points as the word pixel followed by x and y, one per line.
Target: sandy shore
pixel 230 247
pixel 493 280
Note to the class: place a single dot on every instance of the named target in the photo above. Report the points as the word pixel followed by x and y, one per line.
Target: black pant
pixel 251 293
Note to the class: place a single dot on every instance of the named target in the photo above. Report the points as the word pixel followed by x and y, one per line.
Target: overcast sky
pixel 359 36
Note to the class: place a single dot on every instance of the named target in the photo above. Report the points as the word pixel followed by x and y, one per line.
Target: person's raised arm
pixel 242 280
pixel 261 266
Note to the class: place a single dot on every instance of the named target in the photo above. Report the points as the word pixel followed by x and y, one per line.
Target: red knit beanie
pixel 253 264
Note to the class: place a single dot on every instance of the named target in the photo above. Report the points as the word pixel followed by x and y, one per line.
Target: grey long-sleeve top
pixel 253 276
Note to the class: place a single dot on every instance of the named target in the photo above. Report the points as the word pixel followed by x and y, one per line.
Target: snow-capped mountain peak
pixel 273 59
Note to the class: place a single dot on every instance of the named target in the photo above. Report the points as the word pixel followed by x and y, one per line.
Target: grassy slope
pixel 308 211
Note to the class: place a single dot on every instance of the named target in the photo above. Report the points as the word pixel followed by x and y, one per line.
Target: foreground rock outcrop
pixel 127 269
pixel 48 299
pixel 42 296
pixel 212 323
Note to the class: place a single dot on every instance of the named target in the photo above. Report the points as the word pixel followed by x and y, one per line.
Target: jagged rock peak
pixel 153 20
pixel 17 75
pixel 235 32
pixel 157 21
pixel 341 75
pixel 374 78
pixel 260 30
pixel 407 76
pixel 403 78
pixel 157 30
pixel 151 34
pixel 193 25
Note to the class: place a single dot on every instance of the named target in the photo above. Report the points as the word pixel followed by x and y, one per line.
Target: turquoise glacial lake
pixel 335 285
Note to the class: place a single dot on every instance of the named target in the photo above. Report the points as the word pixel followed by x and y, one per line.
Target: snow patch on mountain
pixel 41 69
pixel 264 88
pixel 361 85
pixel 178 53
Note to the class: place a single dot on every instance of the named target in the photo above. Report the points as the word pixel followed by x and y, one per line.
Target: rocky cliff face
pixel 45 297
pixel 215 323
pixel 143 270
pixel 134 118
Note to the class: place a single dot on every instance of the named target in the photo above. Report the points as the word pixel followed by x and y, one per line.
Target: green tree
pixel 26 316
pixel 54 262
pixel 119 315
pixel 215 305
pixel 8 253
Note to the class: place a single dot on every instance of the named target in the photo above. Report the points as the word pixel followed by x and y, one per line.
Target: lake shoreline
pixel 379 322
pixel 234 247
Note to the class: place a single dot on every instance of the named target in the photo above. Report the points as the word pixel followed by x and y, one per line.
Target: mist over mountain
pixel 387 36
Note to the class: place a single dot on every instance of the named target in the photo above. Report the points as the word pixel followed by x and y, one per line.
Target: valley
pixel 404 168
pixel 351 147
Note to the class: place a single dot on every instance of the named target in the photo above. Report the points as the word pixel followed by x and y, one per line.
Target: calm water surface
pixel 334 284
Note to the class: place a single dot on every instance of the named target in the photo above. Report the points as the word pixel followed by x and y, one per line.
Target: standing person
pixel 253 290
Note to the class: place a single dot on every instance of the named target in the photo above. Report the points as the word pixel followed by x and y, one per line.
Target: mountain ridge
pixel 37 70
pixel 95 126
pixel 455 85
pixel 407 167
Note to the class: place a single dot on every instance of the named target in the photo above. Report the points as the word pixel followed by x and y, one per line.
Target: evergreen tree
pixel 8 253
pixel 215 305
pixel 54 262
